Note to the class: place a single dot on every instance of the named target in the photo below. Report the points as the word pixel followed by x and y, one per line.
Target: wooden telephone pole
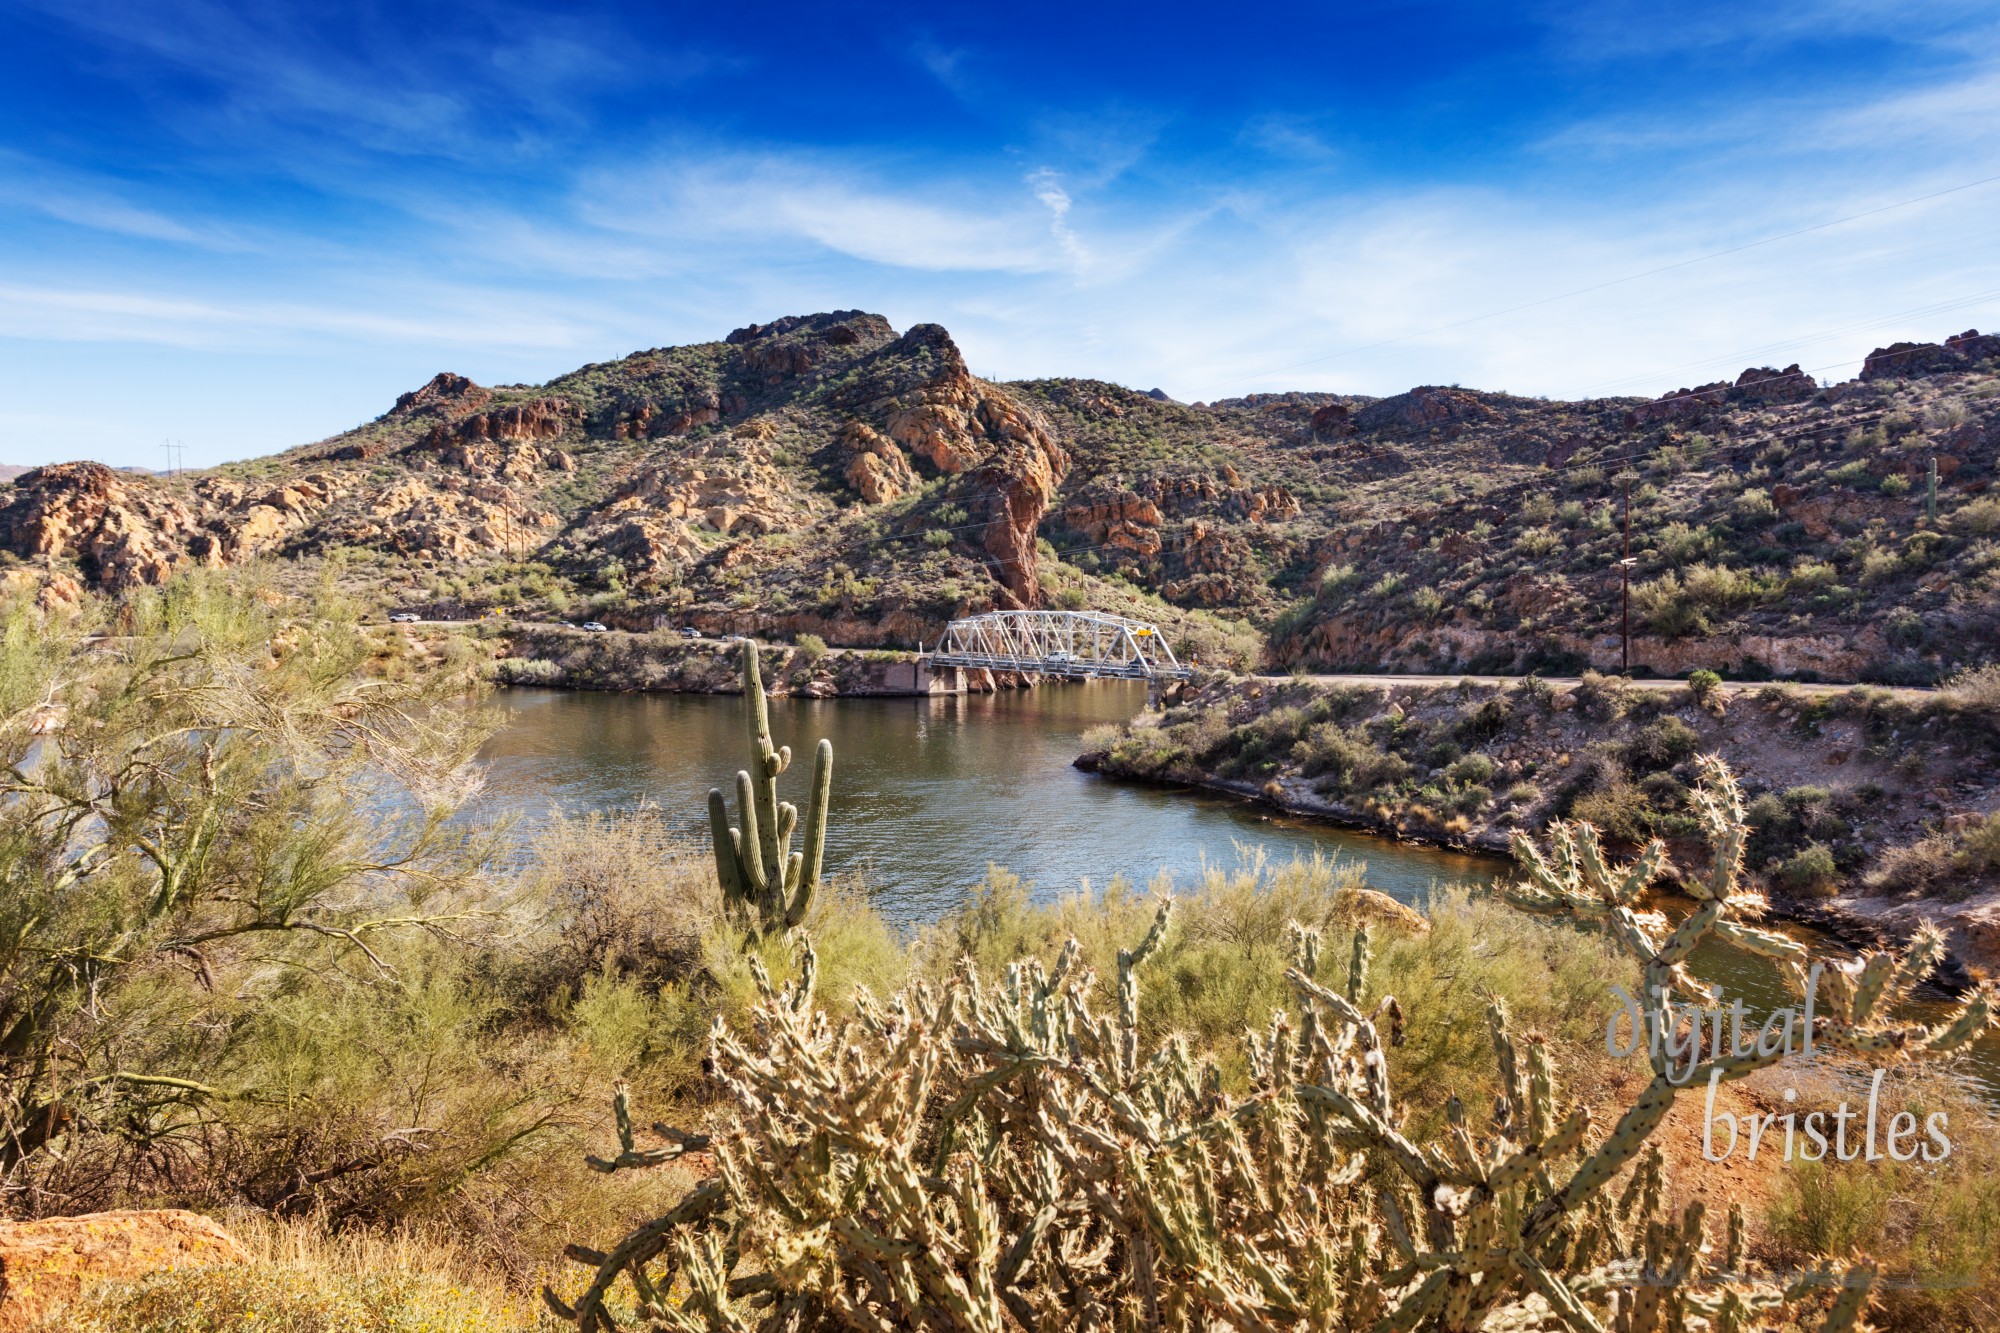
pixel 1625 588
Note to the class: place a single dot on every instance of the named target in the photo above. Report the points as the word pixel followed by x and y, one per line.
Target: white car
pixel 592 627
pixel 405 618
pixel 690 632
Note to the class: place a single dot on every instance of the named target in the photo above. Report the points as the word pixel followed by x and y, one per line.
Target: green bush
pixel 811 647
pixel 1811 870
pixel 1978 518
pixel 1473 768
pixel 1661 743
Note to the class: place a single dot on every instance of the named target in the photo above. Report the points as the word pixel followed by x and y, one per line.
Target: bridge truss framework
pixel 1060 643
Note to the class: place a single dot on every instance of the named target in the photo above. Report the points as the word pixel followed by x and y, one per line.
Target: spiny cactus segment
pixel 1000 1154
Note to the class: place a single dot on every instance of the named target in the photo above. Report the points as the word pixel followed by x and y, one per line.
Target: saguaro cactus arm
pixel 763 881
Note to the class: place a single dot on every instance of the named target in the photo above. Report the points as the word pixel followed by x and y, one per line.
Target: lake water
pixel 926 792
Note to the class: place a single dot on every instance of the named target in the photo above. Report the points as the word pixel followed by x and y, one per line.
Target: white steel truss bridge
pixel 1060 643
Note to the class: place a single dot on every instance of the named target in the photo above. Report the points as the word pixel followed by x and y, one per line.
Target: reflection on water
pixel 926 792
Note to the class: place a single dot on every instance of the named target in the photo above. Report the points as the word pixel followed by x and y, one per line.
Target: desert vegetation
pixel 825 475
pixel 376 1039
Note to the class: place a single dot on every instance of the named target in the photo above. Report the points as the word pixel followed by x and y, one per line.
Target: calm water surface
pixel 926 792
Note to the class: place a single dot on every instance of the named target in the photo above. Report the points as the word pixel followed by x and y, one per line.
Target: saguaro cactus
pixel 765 883
pixel 1007 1153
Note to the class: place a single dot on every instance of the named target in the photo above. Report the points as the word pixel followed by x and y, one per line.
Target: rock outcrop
pixel 118 530
pixel 46 1263
pixel 1762 384
pixel 1424 408
pixel 1912 360
pixel 1004 452
pixel 539 419
pixel 446 395
pixel 876 467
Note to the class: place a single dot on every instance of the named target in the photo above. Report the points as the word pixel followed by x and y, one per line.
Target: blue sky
pixel 245 226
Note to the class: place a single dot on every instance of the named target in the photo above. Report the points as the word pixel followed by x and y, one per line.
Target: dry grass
pixel 304 1279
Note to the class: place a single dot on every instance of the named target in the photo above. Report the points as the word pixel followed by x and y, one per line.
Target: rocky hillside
pixel 1872 809
pixel 826 474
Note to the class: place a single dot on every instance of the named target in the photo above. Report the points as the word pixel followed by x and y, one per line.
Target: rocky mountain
pixel 828 474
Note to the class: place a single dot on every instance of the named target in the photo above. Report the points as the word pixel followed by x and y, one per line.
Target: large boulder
pixel 45 1263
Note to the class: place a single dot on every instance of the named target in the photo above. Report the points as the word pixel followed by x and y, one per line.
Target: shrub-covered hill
pixel 1871 810
pixel 827 474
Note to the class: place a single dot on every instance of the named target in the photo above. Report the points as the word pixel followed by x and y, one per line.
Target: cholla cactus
pixel 1002 1153
pixel 765 883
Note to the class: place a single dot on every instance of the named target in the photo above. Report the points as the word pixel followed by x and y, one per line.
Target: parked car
pixel 592 627
pixel 690 632
pixel 405 618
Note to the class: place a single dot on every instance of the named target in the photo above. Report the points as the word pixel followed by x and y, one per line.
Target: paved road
pixel 1661 684
pixel 1658 684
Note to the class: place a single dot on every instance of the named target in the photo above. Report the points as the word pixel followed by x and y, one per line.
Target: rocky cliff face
pixel 827 470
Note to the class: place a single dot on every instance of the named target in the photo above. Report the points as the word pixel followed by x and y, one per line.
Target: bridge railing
pixel 1060 643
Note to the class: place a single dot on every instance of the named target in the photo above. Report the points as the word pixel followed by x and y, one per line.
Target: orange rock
pixel 47 1262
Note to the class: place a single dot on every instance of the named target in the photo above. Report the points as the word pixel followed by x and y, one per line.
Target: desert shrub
pixel 1678 543
pixel 1811 870
pixel 1937 1229
pixel 1487 720
pixel 1667 608
pixel 1661 743
pixel 1537 542
pixel 1428 603
pixel 1703 685
pixel 811 647
pixel 1473 768
pixel 1754 505
pixel 1348 760
pixel 896 1133
pixel 1783 822
pixel 1264 739
pixel 1975 687
pixel 187 839
pixel 1982 845
pixel 1810 576
pixel 1603 698
pixel 1619 810
pixel 1895 484
pixel 528 671
pixel 1335 579
pixel 1916 867
pixel 1978 518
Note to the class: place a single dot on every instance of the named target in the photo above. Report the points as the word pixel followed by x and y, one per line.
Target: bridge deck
pixel 1060 643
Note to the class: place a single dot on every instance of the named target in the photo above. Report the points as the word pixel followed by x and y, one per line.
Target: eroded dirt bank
pixel 1873 811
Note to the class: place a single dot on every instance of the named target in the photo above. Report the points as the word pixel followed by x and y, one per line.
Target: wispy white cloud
pixel 932 223
pixel 34 186
pixel 111 315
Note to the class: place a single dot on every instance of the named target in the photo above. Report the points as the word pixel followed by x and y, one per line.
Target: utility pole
pixel 1625 588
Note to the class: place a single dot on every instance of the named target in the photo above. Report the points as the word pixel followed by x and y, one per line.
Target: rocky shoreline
pixel 665 662
pixel 1873 807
